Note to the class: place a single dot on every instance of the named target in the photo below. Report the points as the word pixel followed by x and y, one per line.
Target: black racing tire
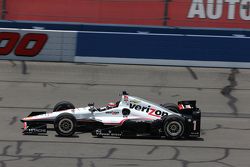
pixel 65 125
pixel 173 127
pixel 63 105
pixel 171 106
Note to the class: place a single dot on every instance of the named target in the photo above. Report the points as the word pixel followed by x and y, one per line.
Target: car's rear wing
pixel 191 112
pixel 187 104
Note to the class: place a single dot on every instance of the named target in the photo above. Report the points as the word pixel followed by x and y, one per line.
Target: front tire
pixel 65 125
pixel 63 105
pixel 173 127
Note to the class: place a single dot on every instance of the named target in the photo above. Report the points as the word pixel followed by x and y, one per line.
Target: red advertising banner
pixel 209 13
pixel 145 12
pixel 185 13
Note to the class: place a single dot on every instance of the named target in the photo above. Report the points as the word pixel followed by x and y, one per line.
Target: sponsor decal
pixel 28 45
pixel 33 130
pixel 112 112
pixel 150 110
pixel 215 9
pixel 109 133
pixel 209 13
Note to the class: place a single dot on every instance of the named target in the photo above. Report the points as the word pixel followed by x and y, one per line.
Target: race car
pixel 130 117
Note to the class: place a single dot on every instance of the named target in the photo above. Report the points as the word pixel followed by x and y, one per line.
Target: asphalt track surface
pixel 222 94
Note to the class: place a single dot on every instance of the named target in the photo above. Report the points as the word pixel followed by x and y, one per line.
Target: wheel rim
pixel 174 128
pixel 65 125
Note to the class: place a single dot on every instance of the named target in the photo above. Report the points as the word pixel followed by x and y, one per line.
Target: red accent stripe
pixel 25 125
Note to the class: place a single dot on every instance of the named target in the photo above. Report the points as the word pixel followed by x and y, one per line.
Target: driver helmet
pixel 111 105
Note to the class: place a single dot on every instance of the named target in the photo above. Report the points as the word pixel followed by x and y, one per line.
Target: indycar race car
pixel 130 117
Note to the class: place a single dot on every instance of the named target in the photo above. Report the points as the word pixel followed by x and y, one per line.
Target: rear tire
pixel 63 105
pixel 173 127
pixel 171 106
pixel 65 125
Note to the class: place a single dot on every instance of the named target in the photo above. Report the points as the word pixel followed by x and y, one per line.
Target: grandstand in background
pixel 176 13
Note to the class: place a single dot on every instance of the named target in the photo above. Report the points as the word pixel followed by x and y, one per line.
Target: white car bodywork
pixel 140 109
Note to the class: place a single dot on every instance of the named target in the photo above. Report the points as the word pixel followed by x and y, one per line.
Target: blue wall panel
pixel 165 46
pixel 152 43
